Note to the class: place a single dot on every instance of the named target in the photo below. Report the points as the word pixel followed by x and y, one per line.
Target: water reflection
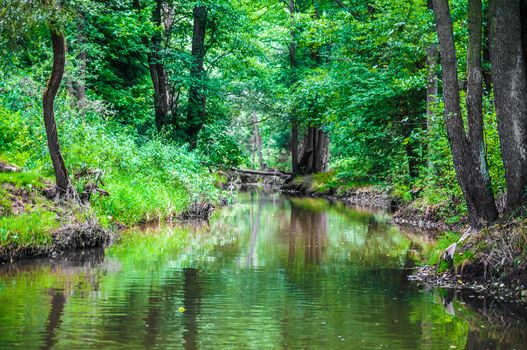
pixel 58 300
pixel 270 272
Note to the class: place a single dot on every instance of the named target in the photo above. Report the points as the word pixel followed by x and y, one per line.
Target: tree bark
pixel 294 145
pixel 197 101
pixel 158 73
pixel 474 98
pixel 48 99
pixel 510 93
pixel 480 202
pixel 321 152
pixel 315 151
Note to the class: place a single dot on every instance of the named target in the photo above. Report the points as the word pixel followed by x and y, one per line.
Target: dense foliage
pixel 143 77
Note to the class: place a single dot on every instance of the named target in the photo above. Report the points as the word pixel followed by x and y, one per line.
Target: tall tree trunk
pixel 479 198
pixel 294 121
pixel 315 151
pixel 197 101
pixel 305 163
pixel 510 93
pixel 158 73
pixel 48 99
pixel 474 98
pixel 294 145
pixel 321 152
pixel 431 98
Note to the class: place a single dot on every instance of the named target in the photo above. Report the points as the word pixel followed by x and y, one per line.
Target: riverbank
pixel 492 261
pixel 322 185
pixel 405 213
pixel 35 223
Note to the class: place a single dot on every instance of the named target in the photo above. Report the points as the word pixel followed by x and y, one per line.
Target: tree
pixel 510 91
pixel 294 122
pixel 467 158
pixel 158 72
pixel 196 96
pixel 48 98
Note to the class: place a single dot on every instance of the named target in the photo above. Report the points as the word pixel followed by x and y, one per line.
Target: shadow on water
pixel 269 272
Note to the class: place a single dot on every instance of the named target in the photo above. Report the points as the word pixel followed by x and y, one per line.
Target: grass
pixel 461 256
pixel 29 179
pixel 443 242
pixel 28 229
pixel 135 199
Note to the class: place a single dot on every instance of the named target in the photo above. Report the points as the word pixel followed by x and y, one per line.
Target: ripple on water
pixel 264 274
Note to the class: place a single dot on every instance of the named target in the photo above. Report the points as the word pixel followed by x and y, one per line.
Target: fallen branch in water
pixel 262 172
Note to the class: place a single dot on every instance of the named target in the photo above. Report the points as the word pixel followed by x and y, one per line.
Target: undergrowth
pixel 148 178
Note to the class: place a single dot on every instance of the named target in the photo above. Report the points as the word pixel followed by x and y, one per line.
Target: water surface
pixel 270 272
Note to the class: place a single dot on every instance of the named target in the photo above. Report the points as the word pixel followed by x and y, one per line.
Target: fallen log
pixel 262 172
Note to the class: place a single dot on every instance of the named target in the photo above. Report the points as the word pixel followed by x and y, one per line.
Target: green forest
pixel 128 112
pixel 158 160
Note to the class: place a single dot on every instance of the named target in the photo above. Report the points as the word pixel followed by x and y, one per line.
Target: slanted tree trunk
pixel 196 97
pixel 48 99
pixel 510 96
pixel 479 198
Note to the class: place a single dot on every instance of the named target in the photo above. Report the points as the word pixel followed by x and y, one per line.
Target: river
pixel 270 272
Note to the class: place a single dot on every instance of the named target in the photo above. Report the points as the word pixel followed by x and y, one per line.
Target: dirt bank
pixel 66 239
pixel 492 261
pixel 367 196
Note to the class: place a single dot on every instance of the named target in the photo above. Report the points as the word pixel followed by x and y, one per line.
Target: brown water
pixel 270 272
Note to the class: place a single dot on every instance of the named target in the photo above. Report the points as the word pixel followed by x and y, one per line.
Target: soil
pixel 66 239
